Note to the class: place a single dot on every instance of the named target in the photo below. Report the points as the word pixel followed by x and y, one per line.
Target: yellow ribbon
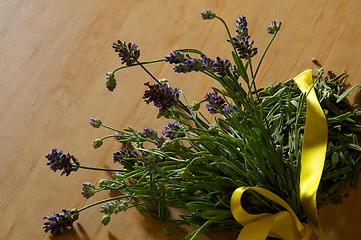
pixel 285 224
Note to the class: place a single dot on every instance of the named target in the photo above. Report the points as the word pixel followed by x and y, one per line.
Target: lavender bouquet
pixel 195 164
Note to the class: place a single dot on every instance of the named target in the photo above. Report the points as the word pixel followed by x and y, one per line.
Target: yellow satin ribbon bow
pixel 285 224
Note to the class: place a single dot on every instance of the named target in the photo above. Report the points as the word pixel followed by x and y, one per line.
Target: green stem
pixel 149 73
pixel 264 53
pixel 229 35
pixel 103 125
pixel 138 63
pixel 253 83
pixel 99 169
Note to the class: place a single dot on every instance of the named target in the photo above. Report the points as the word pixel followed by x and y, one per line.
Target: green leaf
pixel 190 50
pixel 340 98
pixel 240 67
pixel 334 160
pixel 339 118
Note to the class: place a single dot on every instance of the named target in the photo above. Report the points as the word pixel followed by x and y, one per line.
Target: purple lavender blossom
pixel 88 189
pixel 274 27
pixel 110 81
pixel 189 65
pixel 175 57
pixel 95 122
pixel 208 14
pixel 228 108
pixel 60 221
pixel 126 157
pixel 241 41
pixel 214 103
pixel 59 161
pixel 244 47
pixel 161 95
pixel 124 153
pixel 185 63
pixel 128 52
pixel 150 133
pixel 222 67
pixel 172 131
pixel 207 63
pixel 160 141
pixel 241 25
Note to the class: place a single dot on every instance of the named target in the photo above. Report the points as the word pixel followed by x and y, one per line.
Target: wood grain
pixel 53 60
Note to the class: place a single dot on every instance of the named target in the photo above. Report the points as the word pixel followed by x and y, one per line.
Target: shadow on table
pixel 72 234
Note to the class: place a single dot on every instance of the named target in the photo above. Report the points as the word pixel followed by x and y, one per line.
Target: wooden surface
pixel 53 60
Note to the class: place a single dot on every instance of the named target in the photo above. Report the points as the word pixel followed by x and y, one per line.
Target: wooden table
pixel 53 60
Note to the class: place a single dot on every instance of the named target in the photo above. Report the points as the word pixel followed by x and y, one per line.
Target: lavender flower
pixel 274 27
pixel 128 52
pixel 175 57
pixel 228 108
pixel 88 189
pixel 222 67
pixel 60 221
pixel 185 63
pixel 172 131
pixel 244 47
pixel 207 63
pixel 215 102
pixel 189 65
pixel 160 141
pixel 126 157
pixel 241 41
pixel 124 153
pixel 110 81
pixel 162 96
pixel 150 133
pixel 95 122
pixel 59 161
pixel 241 25
pixel 114 207
pixel 208 14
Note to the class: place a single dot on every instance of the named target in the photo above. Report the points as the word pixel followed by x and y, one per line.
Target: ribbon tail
pixel 257 230
pixel 314 148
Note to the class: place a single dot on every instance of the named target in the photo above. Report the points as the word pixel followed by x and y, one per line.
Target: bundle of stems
pixel 254 139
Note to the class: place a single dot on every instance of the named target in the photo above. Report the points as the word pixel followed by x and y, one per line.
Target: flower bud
pixel 274 27
pixel 97 143
pixel 110 81
pixel 105 219
pixel 95 122
pixel 208 14
pixel 195 106
pixel 163 80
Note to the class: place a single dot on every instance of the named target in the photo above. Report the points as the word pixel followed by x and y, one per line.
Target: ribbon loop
pixel 283 224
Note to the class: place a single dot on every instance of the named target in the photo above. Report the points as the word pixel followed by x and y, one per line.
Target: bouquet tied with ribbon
pixel 260 166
